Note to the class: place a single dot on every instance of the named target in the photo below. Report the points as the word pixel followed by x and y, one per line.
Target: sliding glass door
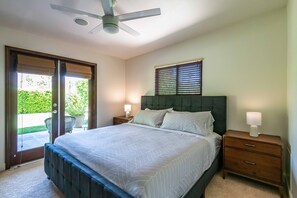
pixel 34 110
pixel 31 97
pixel 45 97
pixel 76 103
pixel 76 87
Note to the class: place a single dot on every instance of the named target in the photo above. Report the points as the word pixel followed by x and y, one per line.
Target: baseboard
pixel 290 194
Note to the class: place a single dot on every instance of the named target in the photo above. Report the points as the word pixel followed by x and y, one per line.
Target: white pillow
pixel 200 123
pixel 149 117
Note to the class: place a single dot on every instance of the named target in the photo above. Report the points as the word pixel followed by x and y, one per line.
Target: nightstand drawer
pixel 121 119
pixel 252 164
pixel 262 147
pixel 118 121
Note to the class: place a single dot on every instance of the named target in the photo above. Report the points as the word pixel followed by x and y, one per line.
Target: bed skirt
pixel 75 179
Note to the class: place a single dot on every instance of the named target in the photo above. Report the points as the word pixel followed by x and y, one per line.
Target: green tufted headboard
pixel 193 103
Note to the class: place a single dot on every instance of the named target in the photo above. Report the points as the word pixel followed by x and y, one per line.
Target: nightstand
pixel 258 158
pixel 121 119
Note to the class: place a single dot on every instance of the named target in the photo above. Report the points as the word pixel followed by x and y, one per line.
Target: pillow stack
pixel 200 123
pixel 149 117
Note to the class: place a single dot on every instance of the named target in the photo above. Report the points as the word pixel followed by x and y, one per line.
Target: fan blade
pixel 97 29
pixel 128 29
pixel 107 7
pixel 74 11
pixel 139 14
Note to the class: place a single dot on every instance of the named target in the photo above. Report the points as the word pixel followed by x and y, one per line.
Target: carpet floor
pixel 29 180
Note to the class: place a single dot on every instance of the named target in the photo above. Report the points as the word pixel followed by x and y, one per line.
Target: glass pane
pixel 34 107
pixel 76 104
pixel 166 81
pixel 189 78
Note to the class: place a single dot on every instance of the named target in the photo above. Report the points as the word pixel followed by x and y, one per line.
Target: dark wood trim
pixel 62 95
pixel 201 78
pixel 177 66
pixel 7 114
pixel 55 99
pixel 27 155
pixel 45 55
pixel 92 119
pixel 12 155
pixel 11 105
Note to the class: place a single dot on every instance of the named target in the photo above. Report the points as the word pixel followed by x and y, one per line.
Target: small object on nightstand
pixel 127 108
pixel 256 158
pixel 254 119
pixel 121 119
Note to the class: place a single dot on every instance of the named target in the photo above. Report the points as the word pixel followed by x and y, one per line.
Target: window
pixel 179 79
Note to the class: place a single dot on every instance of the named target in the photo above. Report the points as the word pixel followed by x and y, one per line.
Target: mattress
pixel 144 161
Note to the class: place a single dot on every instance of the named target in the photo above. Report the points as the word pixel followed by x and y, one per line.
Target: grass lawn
pixel 32 129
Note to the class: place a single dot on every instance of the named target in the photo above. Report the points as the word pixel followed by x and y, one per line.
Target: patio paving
pixel 32 140
pixel 37 139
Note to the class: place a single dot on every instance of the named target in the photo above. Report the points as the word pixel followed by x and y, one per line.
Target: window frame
pixel 178 66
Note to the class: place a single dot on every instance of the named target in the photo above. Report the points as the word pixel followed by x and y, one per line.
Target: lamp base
pixel 254 131
pixel 127 114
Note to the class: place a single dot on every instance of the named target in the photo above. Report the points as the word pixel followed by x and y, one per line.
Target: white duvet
pixel 144 161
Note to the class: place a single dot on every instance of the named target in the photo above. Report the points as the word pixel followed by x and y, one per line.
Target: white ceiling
pixel 180 20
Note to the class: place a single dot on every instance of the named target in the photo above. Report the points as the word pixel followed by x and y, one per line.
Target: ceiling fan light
pixel 110 28
pixel 110 24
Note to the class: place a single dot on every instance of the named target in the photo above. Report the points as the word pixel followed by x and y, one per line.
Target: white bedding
pixel 144 161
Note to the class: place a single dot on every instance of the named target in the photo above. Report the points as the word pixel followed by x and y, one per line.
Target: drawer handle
pixel 250 145
pixel 250 163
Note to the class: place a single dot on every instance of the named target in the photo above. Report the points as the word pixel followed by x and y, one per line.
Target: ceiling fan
pixel 110 22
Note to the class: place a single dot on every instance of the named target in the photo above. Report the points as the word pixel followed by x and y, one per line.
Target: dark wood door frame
pixel 11 101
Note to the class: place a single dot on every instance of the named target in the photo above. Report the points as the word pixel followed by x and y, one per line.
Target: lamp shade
pixel 127 107
pixel 254 118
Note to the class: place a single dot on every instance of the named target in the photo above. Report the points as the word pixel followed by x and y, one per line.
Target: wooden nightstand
pixel 121 119
pixel 258 158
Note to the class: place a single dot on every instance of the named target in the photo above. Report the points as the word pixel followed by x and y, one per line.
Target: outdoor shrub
pixel 77 103
pixel 34 101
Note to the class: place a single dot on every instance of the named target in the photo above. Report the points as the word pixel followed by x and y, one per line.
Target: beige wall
pixel 111 74
pixel 292 91
pixel 245 61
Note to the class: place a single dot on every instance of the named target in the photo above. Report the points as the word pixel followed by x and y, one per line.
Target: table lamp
pixel 254 119
pixel 127 108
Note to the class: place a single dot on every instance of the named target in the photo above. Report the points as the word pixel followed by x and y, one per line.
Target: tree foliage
pixel 41 101
pixel 34 101
pixel 76 104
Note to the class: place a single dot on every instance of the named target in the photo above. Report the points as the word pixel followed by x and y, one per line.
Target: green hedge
pixel 31 129
pixel 34 102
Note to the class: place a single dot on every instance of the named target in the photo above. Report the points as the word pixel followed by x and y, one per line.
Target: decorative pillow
pixel 200 123
pixel 149 117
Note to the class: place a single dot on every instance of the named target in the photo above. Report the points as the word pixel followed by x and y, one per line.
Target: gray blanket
pixel 143 161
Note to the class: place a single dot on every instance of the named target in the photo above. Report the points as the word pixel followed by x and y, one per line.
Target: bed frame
pixel 75 179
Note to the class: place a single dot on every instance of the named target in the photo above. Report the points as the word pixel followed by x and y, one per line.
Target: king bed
pixel 144 158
